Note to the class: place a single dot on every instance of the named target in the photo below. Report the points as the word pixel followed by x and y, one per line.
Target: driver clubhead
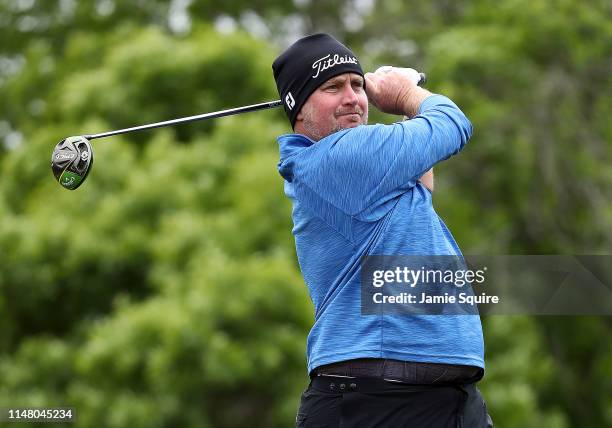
pixel 71 161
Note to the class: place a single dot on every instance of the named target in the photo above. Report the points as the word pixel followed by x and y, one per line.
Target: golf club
pixel 72 157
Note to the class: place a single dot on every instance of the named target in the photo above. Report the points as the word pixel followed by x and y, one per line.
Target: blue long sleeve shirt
pixel 356 193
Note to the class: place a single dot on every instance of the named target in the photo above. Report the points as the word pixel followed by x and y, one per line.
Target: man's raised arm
pixel 406 100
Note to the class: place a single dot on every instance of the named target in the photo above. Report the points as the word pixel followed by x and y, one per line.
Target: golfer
pixel 360 190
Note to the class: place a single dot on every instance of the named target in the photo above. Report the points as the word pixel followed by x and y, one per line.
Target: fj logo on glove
pixel 326 62
pixel 290 101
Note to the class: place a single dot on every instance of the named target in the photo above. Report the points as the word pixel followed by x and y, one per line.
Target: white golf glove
pixel 409 72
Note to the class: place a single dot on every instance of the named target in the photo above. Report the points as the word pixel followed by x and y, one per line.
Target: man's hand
pixel 394 90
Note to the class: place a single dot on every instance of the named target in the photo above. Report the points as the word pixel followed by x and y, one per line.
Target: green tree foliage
pixel 165 291
pixel 533 77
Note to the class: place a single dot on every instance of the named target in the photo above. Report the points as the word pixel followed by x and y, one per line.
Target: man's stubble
pixel 314 129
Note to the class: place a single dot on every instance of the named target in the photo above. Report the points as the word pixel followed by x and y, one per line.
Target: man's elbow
pixel 460 133
pixel 465 129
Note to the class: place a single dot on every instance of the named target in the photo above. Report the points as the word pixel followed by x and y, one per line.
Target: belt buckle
pixel 333 375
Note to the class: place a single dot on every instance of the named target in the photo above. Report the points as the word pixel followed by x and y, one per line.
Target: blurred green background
pixel 165 291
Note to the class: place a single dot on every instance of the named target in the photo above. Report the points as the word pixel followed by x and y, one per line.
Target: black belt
pixel 401 371
pixel 365 385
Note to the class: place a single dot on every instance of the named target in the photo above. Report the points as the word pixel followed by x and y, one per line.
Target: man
pixel 356 192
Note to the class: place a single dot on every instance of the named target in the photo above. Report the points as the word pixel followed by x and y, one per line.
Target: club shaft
pixel 220 113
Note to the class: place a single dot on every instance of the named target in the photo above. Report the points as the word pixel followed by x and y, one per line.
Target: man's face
pixel 339 103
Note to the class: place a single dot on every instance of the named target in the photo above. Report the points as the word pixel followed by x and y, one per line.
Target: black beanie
pixel 307 64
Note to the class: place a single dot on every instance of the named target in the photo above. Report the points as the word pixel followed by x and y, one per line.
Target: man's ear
pixel 298 120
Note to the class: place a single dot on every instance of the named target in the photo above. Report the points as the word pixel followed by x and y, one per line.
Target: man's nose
pixel 349 95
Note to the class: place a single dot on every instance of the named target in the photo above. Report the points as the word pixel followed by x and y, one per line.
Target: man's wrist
pixel 413 101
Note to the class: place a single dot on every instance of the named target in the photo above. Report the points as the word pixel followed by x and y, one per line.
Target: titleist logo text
pixel 328 61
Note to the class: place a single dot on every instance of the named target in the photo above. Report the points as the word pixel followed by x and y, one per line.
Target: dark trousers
pixel 436 398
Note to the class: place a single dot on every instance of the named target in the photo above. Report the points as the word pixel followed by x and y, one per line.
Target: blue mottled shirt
pixel 356 193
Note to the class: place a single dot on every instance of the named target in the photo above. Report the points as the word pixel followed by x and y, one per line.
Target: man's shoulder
pixel 292 144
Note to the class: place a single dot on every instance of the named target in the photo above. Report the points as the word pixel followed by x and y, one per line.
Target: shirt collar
pixel 291 144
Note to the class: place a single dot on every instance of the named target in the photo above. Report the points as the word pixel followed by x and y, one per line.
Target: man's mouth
pixel 350 114
pixel 357 112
